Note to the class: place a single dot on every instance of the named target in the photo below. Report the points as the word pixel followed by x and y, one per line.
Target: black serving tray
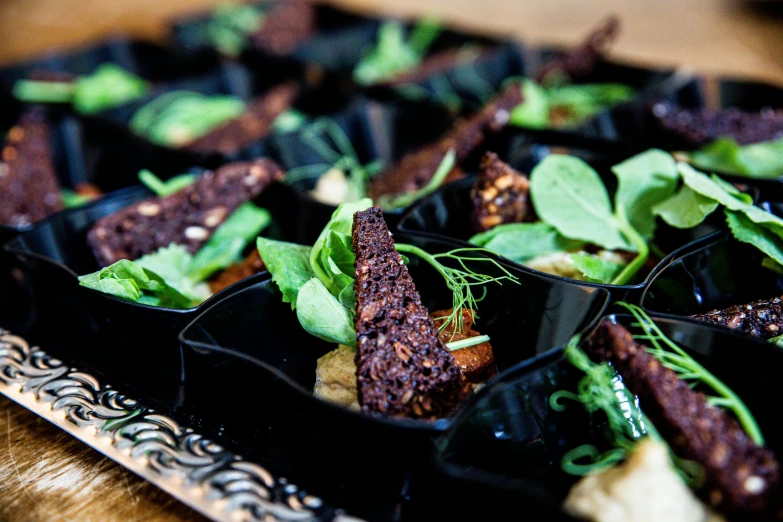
pixel 377 131
pixel 250 344
pixel 509 439
pixel 447 212
pixel 238 369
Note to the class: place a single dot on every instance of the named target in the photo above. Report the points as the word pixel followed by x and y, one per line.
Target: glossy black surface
pixel 250 345
pixel 447 212
pixel 721 273
pixel 377 131
pixel 511 440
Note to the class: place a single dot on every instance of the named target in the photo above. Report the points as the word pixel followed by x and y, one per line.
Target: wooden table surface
pixel 48 476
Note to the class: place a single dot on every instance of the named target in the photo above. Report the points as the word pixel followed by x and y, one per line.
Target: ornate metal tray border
pixel 199 472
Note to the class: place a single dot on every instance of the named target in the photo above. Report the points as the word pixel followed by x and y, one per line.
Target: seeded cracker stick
pixel 696 127
pixel 187 217
pixel 416 169
pixel 250 126
pixel 761 318
pixel 28 183
pixel 403 369
pixel 739 474
pixel 500 195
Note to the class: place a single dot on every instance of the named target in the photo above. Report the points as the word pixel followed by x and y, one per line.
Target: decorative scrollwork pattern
pixel 244 490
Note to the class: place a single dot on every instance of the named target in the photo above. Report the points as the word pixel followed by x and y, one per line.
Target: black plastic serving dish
pixel 507 445
pixel 144 59
pixel 55 251
pixel 714 275
pixel 377 131
pixel 447 212
pixel 250 345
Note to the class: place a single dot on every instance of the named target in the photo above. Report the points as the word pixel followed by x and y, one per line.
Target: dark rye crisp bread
pixel 579 62
pixel 500 195
pixel 416 169
pixel 285 27
pixel 28 182
pixel 187 217
pixel 697 127
pixel 761 318
pixel 740 475
pixel 250 126
pixel 438 63
pixel 402 367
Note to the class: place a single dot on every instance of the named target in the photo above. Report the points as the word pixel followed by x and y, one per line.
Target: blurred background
pixel 737 38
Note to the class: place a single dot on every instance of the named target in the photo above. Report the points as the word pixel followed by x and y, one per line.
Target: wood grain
pixel 48 476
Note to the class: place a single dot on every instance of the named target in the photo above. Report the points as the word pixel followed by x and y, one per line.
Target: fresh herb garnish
pixel 392 54
pixel 165 188
pixel 687 369
pixel 758 160
pixel 108 86
pixel 72 199
pixel 230 26
pixel 334 147
pixel 601 389
pixel 565 105
pixel 176 118
pixel 319 281
pixel 137 281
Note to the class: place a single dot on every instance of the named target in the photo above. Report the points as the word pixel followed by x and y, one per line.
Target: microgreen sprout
pixel 402 200
pixel 329 141
pixel 467 343
pixel 687 369
pixel 460 281
pixel 393 54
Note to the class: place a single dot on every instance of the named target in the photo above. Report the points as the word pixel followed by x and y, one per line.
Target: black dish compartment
pixel 511 441
pixel 251 345
pixel 376 131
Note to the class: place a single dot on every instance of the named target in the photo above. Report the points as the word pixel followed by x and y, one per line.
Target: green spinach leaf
pixel 569 195
pixel 642 182
pixel 521 241
pixel 758 160
pixel 596 269
pixel 322 315
pixel 289 265
pixel 685 209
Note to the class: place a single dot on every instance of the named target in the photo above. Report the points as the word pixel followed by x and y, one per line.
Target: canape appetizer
pixel 160 251
pixel 670 422
pixel 215 124
pixel 395 357
pixel 731 140
pixel 561 219
pixel 107 87
pixel 559 97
